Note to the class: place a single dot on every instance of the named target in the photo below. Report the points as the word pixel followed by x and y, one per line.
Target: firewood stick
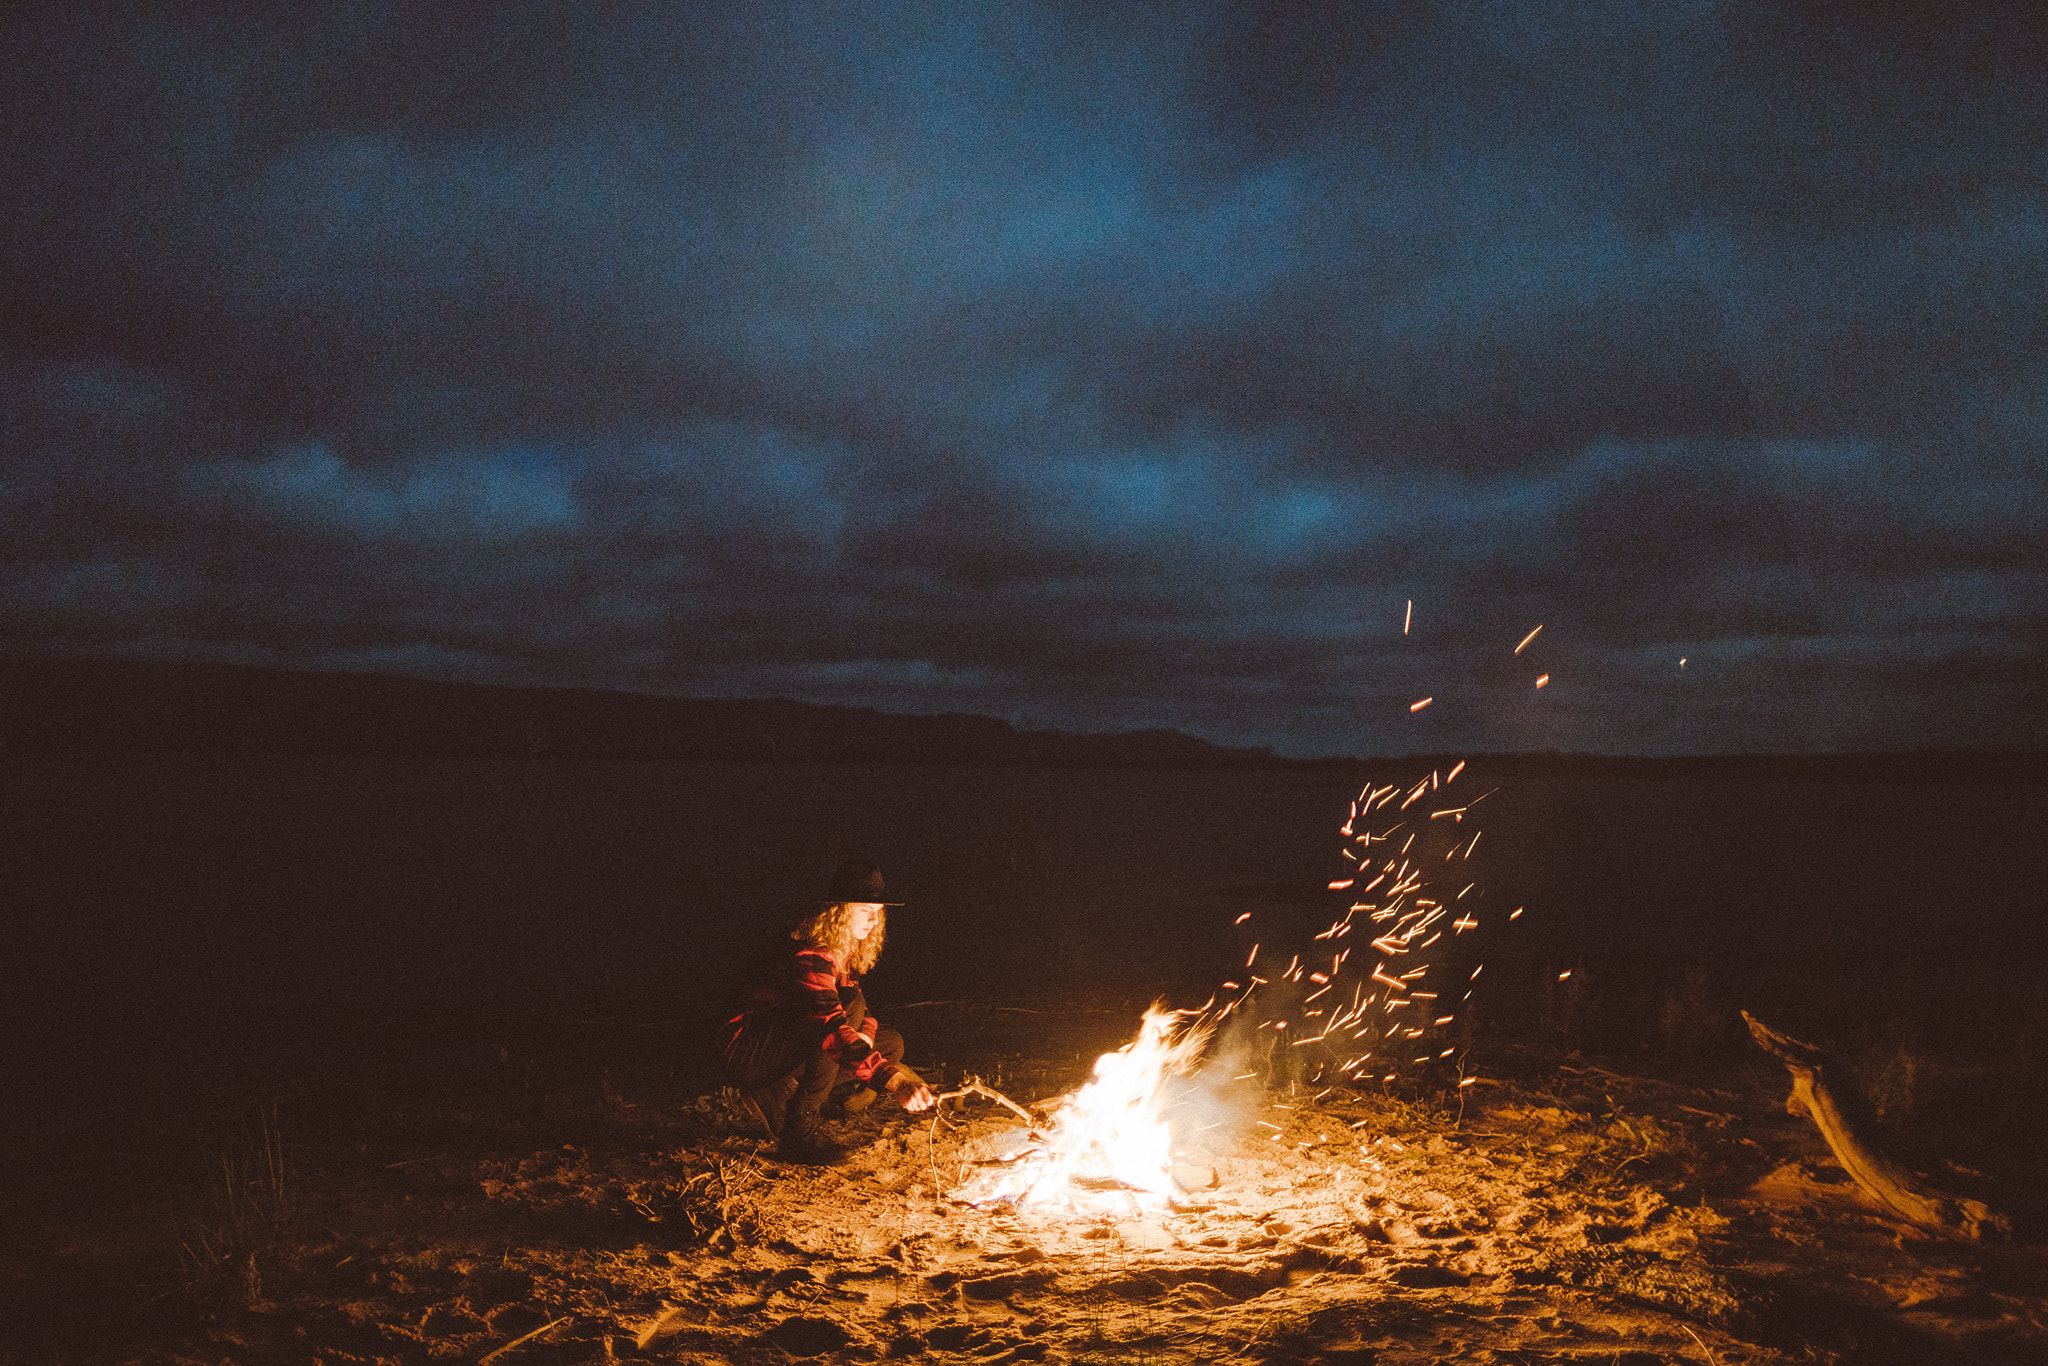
pixel 973 1086
pixel 529 1337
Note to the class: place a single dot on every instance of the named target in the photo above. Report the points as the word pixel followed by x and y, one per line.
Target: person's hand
pixel 910 1091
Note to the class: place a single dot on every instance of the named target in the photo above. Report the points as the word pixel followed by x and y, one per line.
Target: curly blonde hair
pixel 830 927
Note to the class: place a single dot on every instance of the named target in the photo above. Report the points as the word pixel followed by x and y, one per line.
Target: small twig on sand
pixel 1257 1332
pixel 728 1190
pixel 931 1150
pixel 529 1337
pixel 1716 1116
pixel 1591 1070
pixel 1637 1157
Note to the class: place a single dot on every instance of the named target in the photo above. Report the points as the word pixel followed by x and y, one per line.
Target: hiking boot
pixel 765 1105
pixel 806 1138
pixel 845 1103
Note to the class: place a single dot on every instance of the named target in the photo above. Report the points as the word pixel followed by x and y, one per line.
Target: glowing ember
pixel 1110 1144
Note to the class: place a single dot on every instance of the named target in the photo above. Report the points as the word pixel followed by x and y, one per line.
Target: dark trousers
pixel 777 1046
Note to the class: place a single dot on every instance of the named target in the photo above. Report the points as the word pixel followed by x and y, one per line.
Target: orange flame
pixel 1110 1143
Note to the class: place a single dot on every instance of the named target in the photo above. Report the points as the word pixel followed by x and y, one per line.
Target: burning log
pixel 1891 1185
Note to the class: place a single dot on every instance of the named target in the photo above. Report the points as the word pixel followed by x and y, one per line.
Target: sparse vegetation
pixel 231 1232
pixel 1692 1023
pixel 1885 1064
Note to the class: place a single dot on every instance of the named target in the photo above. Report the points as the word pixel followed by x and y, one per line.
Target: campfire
pixel 1329 1018
pixel 1109 1148
pixel 1326 1019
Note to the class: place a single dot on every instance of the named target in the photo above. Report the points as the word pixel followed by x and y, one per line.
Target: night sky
pixel 1098 366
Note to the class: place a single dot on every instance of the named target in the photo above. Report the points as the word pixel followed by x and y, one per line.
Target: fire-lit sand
pixel 1225 1183
pixel 1562 1212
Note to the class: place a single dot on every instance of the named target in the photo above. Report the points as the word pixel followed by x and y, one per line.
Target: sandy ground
pixel 577 1198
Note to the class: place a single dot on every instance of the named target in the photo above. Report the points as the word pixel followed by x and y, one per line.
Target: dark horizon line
pixel 72 703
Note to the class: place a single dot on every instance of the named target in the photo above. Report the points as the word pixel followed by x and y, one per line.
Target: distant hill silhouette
pixel 79 705
pixel 121 705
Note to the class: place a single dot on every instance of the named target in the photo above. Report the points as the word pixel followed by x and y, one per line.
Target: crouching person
pixel 805 1037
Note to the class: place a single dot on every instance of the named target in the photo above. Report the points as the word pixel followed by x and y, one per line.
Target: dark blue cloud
pixel 1094 366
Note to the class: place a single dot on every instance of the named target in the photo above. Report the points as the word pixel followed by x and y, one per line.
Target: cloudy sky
pixel 1093 366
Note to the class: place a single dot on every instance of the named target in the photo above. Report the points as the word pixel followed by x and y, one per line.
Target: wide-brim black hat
pixel 856 879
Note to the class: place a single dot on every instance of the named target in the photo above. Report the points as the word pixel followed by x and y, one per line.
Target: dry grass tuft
pixel 247 1215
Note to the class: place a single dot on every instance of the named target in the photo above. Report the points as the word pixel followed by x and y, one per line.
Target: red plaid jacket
pixel 809 985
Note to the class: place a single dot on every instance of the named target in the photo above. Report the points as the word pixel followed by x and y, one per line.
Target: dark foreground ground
pixel 372 1059
pixel 556 1189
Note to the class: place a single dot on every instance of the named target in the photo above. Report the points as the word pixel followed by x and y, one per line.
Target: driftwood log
pixel 1902 1192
